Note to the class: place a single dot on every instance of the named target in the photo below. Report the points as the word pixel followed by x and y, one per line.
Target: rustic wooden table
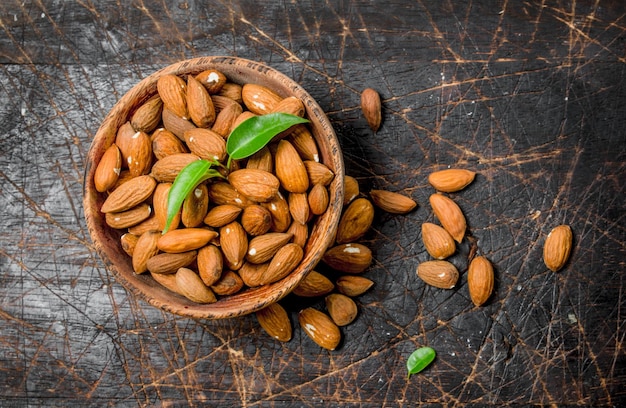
pixel 529 94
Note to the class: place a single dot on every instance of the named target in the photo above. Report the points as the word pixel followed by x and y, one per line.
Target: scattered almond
pixel 441 274
pixel 480 280
pixel 450 215
pixel 320 328
pixel 451 180
pixel 275 321
pixel 394 203
pixel 557 247
pixel 371 108
pixel 437 241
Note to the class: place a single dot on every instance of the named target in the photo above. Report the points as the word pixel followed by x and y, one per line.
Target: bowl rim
pixel 106 240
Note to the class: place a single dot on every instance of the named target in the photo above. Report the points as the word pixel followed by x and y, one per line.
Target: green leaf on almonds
pixel 420 359
pixel 186 181
pixel 256 132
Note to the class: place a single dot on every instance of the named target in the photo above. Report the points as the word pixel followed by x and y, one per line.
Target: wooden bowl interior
pixel 107 240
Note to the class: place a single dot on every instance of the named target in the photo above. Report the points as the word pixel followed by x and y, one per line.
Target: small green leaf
pixel 420 359
pixel 254 133
pixel 185 182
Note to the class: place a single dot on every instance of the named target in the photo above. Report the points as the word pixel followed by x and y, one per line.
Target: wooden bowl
pixel 107 239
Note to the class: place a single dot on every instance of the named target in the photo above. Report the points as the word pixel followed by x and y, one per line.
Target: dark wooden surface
pixel 530 94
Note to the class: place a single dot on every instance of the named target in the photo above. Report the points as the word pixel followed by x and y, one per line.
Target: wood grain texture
pixel 530 95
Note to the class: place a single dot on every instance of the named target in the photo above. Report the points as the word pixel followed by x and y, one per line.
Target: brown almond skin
pixel 319 173
pixel 210 264
pixel 257 185
pixel 221 215
pixel 221 193
pixel 145 248
pixel 226 117
pixel 165 143
pixel 437 241
pixel 341 309
pixel 149 224
pixel 165 263
pixel 172 89
pixel 372 108
pixel 166 169
pixel 168 280
pixel 355 221
pixel 234 243
pixel 348 258
pixel 480 280
pixel 281 217
pixel 275 321
pixel 184 240
pixel 299 207
pixel 261 160
pixel 263 247
pixel 233 91
pixel 129 242
pixel 314 284
pixel 259 99
pixel 256 220
pixel 304 143
pixel 451 180
pixel 212 79
pixel 195 207
pixel 192 287
pixel 318 199
pixel 449 215
pixel 284 261
pixel 320 328
pixel 291 104
pixel 128 218
pixel 148 116
pixel 351 189
pixel 441 274
pixel 300 233
pixel 133 192
pixel 290 169
pixel 228 284
pixel 252 274
pixel 139 160
pixel 205 144
pixel 122 140
pixel 108 169
pixel 159 204
pixel 199 103
pixel 394 203
pixel 353 285
pixel 557 247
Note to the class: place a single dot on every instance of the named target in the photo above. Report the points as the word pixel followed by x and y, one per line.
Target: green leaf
pixel 185 182
pixel 254 133
pixel 420 359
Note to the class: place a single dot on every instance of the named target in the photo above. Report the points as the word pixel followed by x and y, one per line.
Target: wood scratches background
pixel 530 94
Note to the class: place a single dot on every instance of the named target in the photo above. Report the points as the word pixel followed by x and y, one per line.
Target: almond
pixel 261 160
pixel 139 159
pixel 480 280
pixel 281 217
pixel 290 169
pixel 108 169
pixel 318 199
pixel 348 258
pixel 176 124
pixel 256 220
pixel 441 274
pixel 195 207
pixel 341 309
pixel 228 284
pixel 159 202
pixel 451 180
pixel 221 193
pixel 275 321
pixel 257 185
pixel 320 328
pixel 122 139
pixel 557 247
pixel 210 264
pixel 262 248
pixel 304 143
pixel 318 173
pixel 291 105
pixel 145 249
pixel 129 194
pixel 167 280
pixel 128 218
pixel 252 274
pixel 166 169
pixel 165 143
pixel 184 240
pixel 299 207
pixel 371 108
pixel 356 220
pixel 172 89
pixel 233 91
pixel 225 118
pixel 394 203
pixel 259 99
pixel 206 144
pixel 222 102
pixel 283 263
pixel 234 243
pixel 169 263
pixel 129 242
pixel 314 284
pixel 149 224
pixel 300 233
pixel 450 215
pixel 199 103
pixel 353 285
pixel 192 287
pixel 212 79
pixel 350 188
pixel 437 241
pixel 148 116
pixel 221 215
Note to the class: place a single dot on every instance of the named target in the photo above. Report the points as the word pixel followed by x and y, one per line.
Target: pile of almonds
pixel 246 230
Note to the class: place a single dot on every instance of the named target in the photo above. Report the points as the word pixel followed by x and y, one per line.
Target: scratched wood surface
pixel 530 94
